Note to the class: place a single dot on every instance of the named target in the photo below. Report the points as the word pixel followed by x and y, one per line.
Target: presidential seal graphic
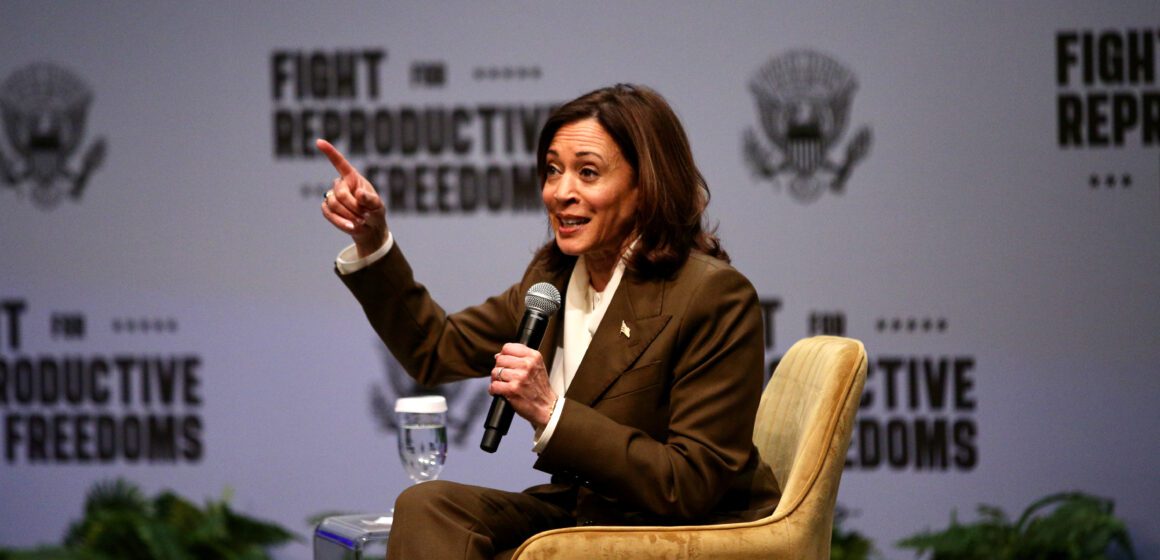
pixel 803 104
pixel 44 108
pixel 466 404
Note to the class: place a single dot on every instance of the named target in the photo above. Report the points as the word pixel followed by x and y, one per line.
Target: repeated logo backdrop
pixel 972 190
pixel 420 156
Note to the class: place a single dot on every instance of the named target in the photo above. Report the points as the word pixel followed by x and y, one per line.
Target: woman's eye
pixel 553 170
pixel 588 173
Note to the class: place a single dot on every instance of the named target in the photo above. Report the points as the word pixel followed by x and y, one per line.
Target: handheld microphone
pixel 542 301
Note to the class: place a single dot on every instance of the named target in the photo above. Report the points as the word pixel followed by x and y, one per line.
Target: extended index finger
pixel 336 158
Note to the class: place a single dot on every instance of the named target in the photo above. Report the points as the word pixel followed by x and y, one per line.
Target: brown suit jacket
pixel 658 424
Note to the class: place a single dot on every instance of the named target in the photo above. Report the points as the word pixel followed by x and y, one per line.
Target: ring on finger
pixel 499 376
pixel 326 196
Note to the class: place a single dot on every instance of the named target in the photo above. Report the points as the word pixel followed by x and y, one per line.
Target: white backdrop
pixel 967 236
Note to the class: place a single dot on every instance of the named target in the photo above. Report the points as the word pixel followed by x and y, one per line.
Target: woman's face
pixel 590 192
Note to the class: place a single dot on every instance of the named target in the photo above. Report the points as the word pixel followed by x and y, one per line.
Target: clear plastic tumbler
pixel 422 435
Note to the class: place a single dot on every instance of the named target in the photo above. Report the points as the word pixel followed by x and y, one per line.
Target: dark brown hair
pixel 673 193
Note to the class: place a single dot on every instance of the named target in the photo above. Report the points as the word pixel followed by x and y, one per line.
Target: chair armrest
pixel 765 537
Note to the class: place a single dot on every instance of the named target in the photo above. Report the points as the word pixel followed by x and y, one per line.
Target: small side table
pixel 352 537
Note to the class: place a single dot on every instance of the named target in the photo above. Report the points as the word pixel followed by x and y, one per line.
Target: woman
pixel 642 397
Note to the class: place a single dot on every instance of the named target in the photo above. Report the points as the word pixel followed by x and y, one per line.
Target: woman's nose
pixel 565 188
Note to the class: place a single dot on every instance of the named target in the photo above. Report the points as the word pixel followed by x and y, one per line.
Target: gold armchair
pixel 802 430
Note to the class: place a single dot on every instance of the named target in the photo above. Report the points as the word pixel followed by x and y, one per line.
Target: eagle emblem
pixel 466 401
pixel 803 103
pixel 44 108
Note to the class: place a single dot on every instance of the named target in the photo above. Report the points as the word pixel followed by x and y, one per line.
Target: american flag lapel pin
pixel 627 332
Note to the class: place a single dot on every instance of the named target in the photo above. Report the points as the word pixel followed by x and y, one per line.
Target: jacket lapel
pixel 630 325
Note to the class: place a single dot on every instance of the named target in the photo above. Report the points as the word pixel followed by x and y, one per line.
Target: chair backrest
pixel 803 430
pixel 805 421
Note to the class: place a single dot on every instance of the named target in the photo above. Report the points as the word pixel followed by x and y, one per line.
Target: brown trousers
pixel 447 520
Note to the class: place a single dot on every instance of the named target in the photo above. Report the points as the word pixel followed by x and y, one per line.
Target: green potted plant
pixel 120 523
pixel 1069 525
pixel 848 544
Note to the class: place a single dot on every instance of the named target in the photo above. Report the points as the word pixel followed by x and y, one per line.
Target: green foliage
pixel 848 544
pixel 120 523
pixel 1080 527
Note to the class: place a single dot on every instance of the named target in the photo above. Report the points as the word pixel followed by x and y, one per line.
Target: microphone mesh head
pixel 543 297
